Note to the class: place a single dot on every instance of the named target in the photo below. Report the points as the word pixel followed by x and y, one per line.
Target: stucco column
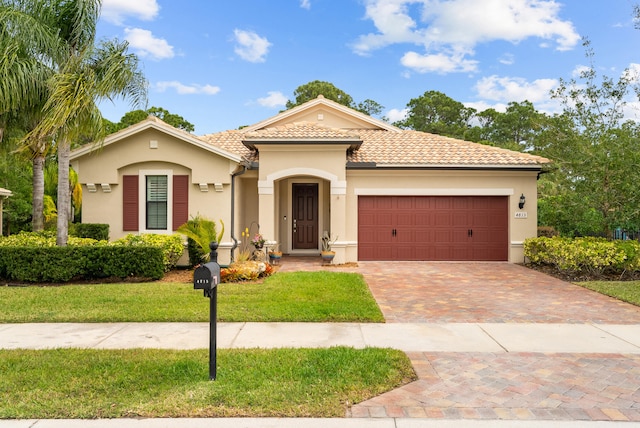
pixel 266 213
pixel 338 200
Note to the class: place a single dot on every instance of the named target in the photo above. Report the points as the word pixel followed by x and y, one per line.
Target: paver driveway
pixel 509 385
pixel 486 293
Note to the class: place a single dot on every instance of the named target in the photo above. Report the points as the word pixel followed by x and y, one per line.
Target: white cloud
pixel 632 73
pixel 147 45
pixel 507 59
pixel 444 26
pixel 250 46
pixel 115 11
pixel 439 63
pixel 183 89
pixel 395 115
pixel 579 71
pixel 305 4
pixel 274 99
pixel 516 89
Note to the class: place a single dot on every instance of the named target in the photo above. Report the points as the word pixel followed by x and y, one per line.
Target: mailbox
pixel 206 276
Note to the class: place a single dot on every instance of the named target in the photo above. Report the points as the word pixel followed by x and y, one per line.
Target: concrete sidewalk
pixel 410 337
pixel 545 354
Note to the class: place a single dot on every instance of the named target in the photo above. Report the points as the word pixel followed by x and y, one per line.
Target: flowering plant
pixel 257 240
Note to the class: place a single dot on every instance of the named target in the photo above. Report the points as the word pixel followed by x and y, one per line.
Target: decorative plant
pixel 327 241
pixel 201 231
pixel 257 240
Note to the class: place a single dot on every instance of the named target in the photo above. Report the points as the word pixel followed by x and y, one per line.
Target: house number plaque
pixel 521 214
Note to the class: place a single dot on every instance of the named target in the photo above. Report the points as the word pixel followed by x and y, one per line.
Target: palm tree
pixel 26 39
pixel 82 75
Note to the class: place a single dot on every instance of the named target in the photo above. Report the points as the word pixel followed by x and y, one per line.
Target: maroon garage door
pixel 433 228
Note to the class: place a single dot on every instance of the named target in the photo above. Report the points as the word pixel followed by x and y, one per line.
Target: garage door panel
pixel 433 228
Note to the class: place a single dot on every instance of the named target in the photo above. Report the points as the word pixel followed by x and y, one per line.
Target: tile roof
pixel 401 148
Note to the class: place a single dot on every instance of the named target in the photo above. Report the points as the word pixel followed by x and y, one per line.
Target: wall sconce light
pixel 522 201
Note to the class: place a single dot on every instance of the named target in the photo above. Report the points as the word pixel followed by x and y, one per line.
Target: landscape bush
pixel 34 257
pixel 593 256
pixel 63 264
pixel 99 232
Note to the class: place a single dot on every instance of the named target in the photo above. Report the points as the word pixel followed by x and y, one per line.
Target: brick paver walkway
pixel 513 386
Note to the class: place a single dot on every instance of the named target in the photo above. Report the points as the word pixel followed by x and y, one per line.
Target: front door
pixel 305 216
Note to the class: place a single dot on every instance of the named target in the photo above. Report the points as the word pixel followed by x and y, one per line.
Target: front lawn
pixel 627 291
pixel 83 383
pixel 288 296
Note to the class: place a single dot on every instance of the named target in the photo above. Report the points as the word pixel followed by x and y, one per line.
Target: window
pixel 156 199
pixel 157 192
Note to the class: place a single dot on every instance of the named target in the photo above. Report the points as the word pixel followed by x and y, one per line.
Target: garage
pixel 446 228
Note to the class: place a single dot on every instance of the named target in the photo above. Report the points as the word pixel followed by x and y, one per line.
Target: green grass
pixel 82 383
pixel 627 291
pixel 294 296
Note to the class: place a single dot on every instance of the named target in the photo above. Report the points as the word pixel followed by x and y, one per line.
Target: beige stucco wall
pixel 151 150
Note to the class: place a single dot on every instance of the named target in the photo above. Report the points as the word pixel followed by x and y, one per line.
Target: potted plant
pixel 258 241
pixel 327 253
pixel 275 254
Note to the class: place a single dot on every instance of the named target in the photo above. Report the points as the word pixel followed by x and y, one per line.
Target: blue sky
pixel 223 64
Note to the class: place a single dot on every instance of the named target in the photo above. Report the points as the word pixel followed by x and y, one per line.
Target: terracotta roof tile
pixel 382 147
pixel 302 131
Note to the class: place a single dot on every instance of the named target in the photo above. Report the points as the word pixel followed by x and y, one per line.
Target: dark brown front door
pixel 305 216
pixel 433 228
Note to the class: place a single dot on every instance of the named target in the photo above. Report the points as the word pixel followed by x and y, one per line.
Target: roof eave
pixel 354 143
pixel 488 167
pixel 147 124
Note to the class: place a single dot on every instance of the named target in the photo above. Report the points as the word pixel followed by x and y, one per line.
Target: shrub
pixel 590 255
pixel 171 245
pixel 99 232
pixel 200 232
pixel 62 264
pixel 547 231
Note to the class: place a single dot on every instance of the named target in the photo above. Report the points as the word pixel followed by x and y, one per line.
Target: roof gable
pixel 324 112
pixel 153 122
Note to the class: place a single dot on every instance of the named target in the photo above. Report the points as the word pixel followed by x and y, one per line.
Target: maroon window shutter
pixel 130 203
pixel 180 200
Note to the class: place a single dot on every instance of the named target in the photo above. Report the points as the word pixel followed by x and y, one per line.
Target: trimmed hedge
pixel 99 232
pixel 590 255
pixel 62 264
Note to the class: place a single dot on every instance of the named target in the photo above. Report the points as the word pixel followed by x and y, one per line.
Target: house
pixel 382 192
pixel 4 194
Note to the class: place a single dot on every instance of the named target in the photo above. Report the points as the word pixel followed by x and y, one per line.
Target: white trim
pixel 204 187
pixel 91 187
pixel 517 243
pixel 434 192
pixel 142 200
pixel 106 187
pixel 338 187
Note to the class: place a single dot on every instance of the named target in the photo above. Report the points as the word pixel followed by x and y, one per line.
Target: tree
pixel 24 43
pixel 82 75
pixel 311 90
pixel 137 116
pixel 437 113
pixel 596 152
